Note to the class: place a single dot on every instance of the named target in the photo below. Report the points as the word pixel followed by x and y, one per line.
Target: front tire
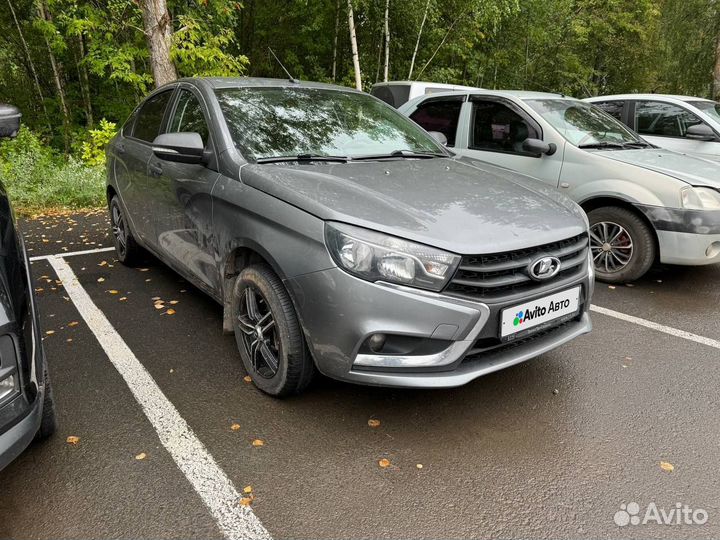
pixel 621 243
pixel 48 423
pixel 268 333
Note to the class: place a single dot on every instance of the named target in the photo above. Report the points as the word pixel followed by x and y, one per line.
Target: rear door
pixel 496 132
pixel 132 154
pixel 183 224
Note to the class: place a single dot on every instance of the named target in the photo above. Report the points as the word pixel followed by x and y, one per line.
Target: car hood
pixel 455 204
pixel 691 169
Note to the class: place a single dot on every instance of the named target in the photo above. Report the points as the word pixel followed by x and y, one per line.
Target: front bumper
pixel 19 436
pixel 339 312
pixel 686 237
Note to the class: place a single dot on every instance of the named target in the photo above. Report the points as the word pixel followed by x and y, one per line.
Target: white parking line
pixel 655 326
pixel 71 253
pixel 192 458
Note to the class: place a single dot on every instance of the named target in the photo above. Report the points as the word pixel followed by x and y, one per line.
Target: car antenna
pixel 290 77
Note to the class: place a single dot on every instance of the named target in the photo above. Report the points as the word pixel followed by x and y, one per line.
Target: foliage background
pixel 76 68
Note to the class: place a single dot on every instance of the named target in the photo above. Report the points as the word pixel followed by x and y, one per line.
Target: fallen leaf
pixel 374 423
pixel 50 332
pixel 141 456
pixel 173 302
pixel 247 489
pixel 170 312
pixel 69 339
pixel 73 323
pixel 611 286
pixel 235 427
pixel 112 291
pixel 156 298
pixel 666 466
pixel 122 298
pixel 247 378
pixel 143 269
pixel 384 463
pixel 258 442
pixel 246 501
pixel 101 279
pixel 72 439
pixel 419 465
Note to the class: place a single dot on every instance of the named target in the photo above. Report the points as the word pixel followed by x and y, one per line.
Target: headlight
pixel 700 198
pixel 377 257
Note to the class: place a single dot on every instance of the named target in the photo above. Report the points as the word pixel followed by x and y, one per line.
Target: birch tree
pixel 387 40
pixel 354 46
pixel 417 43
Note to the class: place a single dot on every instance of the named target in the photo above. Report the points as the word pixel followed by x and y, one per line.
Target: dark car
pixel 341 236
pixel 26 402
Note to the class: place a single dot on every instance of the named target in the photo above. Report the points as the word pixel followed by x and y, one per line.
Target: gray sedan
pixel 339 236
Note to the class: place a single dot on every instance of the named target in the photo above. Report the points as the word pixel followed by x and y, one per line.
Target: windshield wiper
pixel 636 144
pixel 404 154
pixel 602 144
pixel 304 158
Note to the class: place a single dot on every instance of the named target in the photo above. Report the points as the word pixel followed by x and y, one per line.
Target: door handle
pixel 155 169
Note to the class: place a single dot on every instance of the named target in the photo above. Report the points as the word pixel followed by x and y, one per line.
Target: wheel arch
pixel 605 201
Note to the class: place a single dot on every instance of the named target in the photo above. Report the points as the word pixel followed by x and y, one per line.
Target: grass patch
pixel 37 179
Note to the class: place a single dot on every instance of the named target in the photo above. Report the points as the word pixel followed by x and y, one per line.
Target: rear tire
pixel 126 247
pixel 622 245
pixel 268 333
pixel 48 423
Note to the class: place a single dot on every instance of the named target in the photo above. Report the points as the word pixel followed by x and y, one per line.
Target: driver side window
pixel 663 119
pixel 498 128
pixel 189 116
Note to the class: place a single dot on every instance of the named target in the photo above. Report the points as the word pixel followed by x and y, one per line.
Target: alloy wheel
pixel 259 332
pixel 611 246
pixel 119 230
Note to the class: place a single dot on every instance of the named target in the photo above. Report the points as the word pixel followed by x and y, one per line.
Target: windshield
pixel 275 122
pixel 711 108
pixel 583 124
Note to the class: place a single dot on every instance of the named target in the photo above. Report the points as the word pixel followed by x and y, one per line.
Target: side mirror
pixel 439 137
pixel 700 132
pixel 9 121
pixel 538 147
pixel 183 147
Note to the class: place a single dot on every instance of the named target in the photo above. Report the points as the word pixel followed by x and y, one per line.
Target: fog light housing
pixel 376 342
pixel 8 386
pixel 713 250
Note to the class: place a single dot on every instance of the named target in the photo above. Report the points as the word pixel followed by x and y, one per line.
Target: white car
pixel 644 203
pixel 397 93
pixel 682 123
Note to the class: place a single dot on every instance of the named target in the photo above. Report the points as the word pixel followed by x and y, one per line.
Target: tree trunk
pixel 387 40
pixel 353 43
pixel 158 33
pixel 85 82
pixel 57 78
pixel 29 60
pixel 335 40
pixel 716 71
pixel 417 43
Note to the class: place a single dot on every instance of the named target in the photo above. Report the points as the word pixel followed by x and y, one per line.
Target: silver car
pixel 686 124
pixel 338 235
pixel 645 204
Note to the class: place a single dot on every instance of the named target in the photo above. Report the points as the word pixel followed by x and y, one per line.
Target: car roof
pixel 519 94
pixel 648 97
pixel 422 84
pixel 248 82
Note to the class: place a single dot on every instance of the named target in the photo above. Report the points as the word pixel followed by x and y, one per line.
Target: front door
pixel 665 125
pixel 496 132
pixel 183 223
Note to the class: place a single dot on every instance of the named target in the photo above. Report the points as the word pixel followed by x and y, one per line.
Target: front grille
pixel 500 275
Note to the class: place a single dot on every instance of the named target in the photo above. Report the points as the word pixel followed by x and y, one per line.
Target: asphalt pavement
pixel 547 449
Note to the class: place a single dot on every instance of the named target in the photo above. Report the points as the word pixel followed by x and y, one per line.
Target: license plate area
pixel 539 313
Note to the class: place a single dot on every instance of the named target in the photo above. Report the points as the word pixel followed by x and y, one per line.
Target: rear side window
pixel 150 116
pixel 392 94
pixel 613 108
pixel 663 119
pixel 442 116
pixel 498 128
